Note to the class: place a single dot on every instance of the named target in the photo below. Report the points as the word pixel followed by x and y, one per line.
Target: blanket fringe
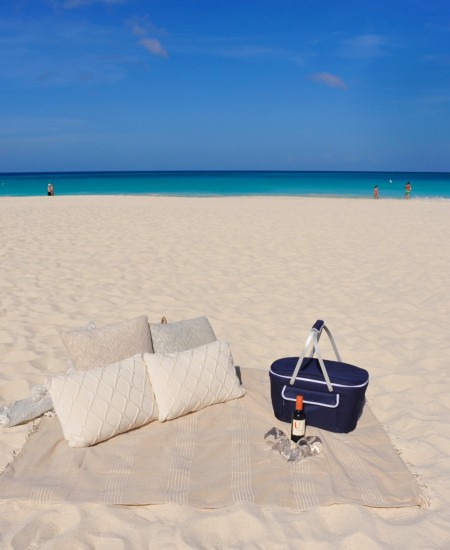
pixel 425 490
pixel 33 428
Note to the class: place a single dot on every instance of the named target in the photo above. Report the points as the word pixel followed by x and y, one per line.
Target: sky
pixel 224 85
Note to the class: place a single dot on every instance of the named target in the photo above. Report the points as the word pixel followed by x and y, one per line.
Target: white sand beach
pixel 262 269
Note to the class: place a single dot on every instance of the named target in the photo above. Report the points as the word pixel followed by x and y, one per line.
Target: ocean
pixel 333 184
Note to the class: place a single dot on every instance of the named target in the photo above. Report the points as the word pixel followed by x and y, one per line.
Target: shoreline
pixel 224 184
pixel 220 196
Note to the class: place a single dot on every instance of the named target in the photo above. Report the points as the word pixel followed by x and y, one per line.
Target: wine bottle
pixel 298 426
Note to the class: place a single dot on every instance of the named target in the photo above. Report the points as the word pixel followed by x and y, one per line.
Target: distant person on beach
pixel 375 192
pixel 50 190
pixel 407 190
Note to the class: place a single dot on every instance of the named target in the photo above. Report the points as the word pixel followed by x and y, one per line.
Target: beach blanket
pixel 213 458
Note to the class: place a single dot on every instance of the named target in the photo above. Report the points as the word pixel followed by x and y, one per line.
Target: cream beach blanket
pixel 213 458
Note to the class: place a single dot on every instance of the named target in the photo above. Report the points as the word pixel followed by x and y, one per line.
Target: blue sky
pixel 226 85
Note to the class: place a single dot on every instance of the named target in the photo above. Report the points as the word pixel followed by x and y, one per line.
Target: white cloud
pixel 137 29
pixel 154 46
pixel 141 26
pixel 330 80
pixel 144 28
pixel 365 45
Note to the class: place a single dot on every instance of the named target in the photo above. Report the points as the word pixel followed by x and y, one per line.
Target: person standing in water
pixel 375 192
pixel 50 190
pixel 407 190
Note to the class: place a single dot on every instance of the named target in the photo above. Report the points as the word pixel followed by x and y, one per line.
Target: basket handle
pixel 314 337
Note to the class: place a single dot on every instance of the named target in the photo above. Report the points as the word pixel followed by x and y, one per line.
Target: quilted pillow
pixel 97 404
pixel 194 379
pixel 182 335
pixel 90 348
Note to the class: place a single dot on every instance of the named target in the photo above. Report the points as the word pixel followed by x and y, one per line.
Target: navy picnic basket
pixel 333 391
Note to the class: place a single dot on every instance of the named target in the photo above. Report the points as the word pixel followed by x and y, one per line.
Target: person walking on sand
pixel 375 192
pixel 407 190
pixel 50 190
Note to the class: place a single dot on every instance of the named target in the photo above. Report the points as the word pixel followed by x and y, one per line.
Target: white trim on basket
pixel 311 402
pixel 319 381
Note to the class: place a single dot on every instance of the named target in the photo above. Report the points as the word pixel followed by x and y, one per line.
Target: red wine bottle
pixel 298 426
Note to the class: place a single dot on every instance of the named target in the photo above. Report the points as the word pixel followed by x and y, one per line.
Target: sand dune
pixel 263 269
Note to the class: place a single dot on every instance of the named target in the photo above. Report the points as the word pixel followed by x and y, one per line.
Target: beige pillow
pixel 97 404
pixel 192 380
pixel 91 348
pixel 181 335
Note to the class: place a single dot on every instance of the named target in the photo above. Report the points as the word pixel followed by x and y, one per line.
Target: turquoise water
pixel 338 184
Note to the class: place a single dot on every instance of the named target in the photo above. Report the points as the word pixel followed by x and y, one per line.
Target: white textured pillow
pixel 97 404
pixel 192 380
pixel 181 335
pixel 91 348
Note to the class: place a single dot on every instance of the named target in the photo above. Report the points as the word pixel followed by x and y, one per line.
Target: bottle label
pixel 298 427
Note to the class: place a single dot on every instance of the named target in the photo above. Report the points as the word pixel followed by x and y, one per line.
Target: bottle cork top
pixel 299 402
